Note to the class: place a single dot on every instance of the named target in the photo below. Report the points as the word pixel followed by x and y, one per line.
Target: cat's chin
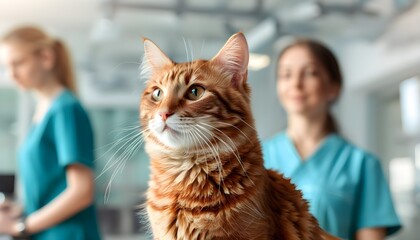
pixel 184 137
pixel 173 139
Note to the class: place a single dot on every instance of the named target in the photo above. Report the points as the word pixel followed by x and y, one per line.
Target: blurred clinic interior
pixel 377 43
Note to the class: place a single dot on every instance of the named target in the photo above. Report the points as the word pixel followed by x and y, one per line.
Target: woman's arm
pixel 78 195
pixel 371 234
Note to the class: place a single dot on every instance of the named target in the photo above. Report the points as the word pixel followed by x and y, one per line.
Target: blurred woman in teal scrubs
pixel 344 184
pixel 56 158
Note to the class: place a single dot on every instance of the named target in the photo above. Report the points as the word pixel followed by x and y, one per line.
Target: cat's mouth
pixel 168 129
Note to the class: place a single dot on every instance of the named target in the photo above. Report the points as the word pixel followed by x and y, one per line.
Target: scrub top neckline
pixel 315 155
pixel 48 113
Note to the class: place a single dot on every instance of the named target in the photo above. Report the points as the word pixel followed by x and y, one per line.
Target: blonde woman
pixel 56 158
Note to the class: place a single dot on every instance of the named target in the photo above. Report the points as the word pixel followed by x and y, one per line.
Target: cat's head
pixel 190 105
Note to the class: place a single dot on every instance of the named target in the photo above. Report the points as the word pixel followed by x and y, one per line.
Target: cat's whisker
pixel 194 119
pixel 189 63
pixel 130 150
pixel 197 69
pixel 146 132
pixel 206 141
pixel 109 185
pixel 184 133
pixel 234 151
pixel 217 157
pixel 231 125
pixel 105 168
pixel 203 149
pixel 247 124
pixel 191 51
pixel 193 134
pixel 185 121
pixel 227 233
pixel 108 165
pixel 115 142
pixel 107 193
pixel 203 138
pixel 252 211
pixel 127 154
pixel 215 128
pixel 120 162
pixel 188 146
pixel 184 124
pixel 127 128
pixel 186 49
pixel 201 117
pixel 192 140
pixel 232 148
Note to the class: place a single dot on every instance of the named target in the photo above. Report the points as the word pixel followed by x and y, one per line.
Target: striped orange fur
pixel 207 175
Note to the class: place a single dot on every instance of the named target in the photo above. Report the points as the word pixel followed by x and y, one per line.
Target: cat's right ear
pixel 154 58
pixel 233 58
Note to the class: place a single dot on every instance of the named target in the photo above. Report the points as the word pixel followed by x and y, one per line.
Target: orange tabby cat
pixel 207 175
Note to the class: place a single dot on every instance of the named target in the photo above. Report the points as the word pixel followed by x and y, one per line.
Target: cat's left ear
pixel 233 58
pixel 154 58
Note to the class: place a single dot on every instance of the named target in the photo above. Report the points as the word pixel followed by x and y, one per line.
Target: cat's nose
pixel 165 115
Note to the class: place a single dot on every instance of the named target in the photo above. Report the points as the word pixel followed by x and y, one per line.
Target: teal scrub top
pixel 63 137
pixel 344 185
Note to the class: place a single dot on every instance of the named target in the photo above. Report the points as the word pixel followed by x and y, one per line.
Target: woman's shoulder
pixel 276 139
pixel 67 101
pixel 355 153
pixel 66 97
pixel 67 107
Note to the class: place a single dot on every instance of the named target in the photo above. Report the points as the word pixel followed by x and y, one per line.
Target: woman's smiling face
pixel 303 85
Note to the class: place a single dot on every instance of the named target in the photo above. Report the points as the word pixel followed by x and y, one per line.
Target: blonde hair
pixel 38 39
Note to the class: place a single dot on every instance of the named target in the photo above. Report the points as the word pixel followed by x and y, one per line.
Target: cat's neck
pixel 205 153
pixel 180 165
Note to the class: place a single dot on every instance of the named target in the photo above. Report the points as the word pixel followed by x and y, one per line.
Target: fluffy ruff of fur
pixel 187 200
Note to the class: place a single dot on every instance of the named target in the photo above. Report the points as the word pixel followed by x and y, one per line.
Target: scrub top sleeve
pixel 265 150
pixel 73 136
pixel 270 155
pixel 374 207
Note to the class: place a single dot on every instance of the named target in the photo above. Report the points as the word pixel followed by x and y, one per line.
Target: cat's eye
pixel 157 95
pixel 195 92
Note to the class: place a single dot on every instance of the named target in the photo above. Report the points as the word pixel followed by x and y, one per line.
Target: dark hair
pixel 328 61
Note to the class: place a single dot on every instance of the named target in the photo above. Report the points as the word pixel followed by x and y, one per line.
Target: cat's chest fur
pixel 197 201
